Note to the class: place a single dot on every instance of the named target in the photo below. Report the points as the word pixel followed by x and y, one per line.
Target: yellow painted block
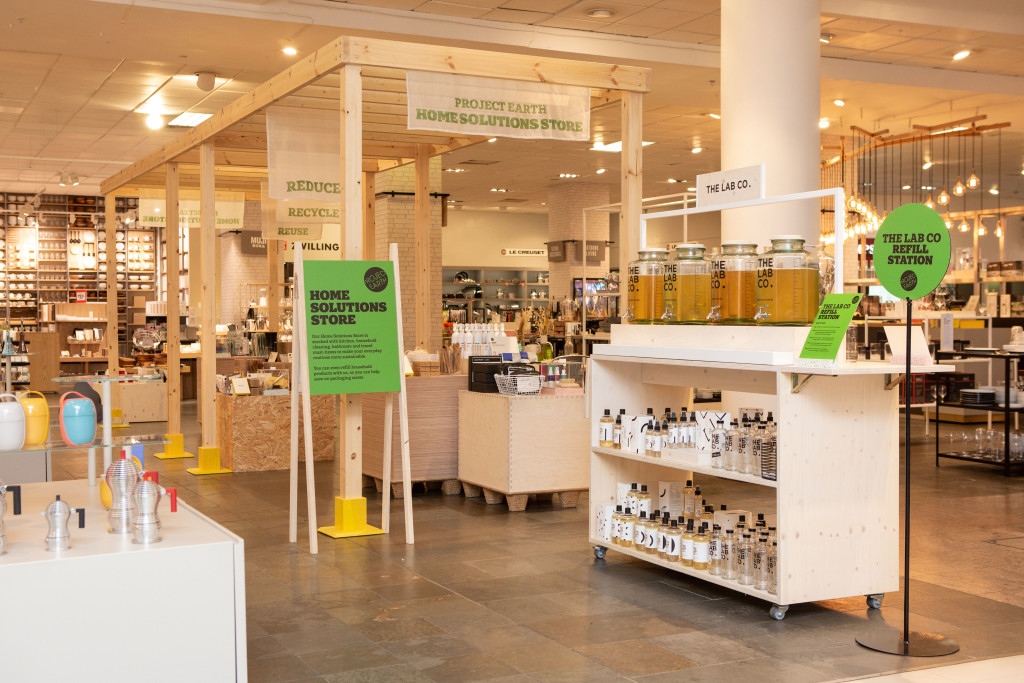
pixel 350 520
pixel 209 462
pixel 174 448
pixel 117 420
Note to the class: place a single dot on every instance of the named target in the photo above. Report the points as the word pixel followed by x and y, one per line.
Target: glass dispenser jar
pixel 734 284
pixel 787 283
pixel 688 286
pixel 646 286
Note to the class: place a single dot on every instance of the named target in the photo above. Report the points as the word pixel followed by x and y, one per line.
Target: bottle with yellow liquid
pixel 688 286
pixel 646 301
pixel 734 284
pixel 787 283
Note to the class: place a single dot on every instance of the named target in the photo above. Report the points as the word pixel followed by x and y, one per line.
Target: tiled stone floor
pixel 489 595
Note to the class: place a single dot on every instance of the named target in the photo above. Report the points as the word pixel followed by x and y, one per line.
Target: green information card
pixel 829 327
pixel 351 326
pixel 912 250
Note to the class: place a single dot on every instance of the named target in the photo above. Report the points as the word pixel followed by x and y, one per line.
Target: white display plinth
pixel 108 609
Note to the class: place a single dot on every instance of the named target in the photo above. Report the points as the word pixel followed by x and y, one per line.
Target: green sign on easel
pixel 912 251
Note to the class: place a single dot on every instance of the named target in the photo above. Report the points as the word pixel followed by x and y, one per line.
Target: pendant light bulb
pixel 973 181
pixel 943 197
pixel 963 226
pixel 959 188
pixel 999 229
pixel 949 221
pixel 929 203
pixel 981 231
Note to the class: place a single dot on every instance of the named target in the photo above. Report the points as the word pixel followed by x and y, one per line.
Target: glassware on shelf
pixel 688 286
pixel 734 284
pixel 645 299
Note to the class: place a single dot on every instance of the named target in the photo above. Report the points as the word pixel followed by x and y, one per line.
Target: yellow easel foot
pixel 117 420
pixel 350 520
pixel 175 448
pixel 209 462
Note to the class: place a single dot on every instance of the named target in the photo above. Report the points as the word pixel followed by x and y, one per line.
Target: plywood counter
pixel 433 432
pixel 512 446
pixel 253 431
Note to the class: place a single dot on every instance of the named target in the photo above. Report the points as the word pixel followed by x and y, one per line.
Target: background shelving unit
pixel 501 289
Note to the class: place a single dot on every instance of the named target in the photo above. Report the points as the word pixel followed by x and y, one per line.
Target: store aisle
pixel 488 595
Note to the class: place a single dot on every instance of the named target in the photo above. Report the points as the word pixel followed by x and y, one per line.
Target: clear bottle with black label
pixel 701 544
pixel 715 551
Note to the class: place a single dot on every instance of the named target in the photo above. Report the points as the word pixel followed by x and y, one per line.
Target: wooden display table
pixel 513 446
pixel 168 611
pixel 253 431
pixel 433 425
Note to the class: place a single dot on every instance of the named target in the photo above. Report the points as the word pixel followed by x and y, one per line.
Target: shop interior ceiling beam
pixel 351 114
pixel 172 293
pixel 421 262
pixel 208 294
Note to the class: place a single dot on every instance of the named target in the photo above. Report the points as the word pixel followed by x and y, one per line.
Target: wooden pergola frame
pixel 364 79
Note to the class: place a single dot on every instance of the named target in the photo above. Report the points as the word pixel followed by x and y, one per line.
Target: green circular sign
pixel 912 250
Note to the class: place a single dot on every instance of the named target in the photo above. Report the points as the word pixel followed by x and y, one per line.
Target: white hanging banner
pixel 307 212
pixel 324 246
pixel 473 105
pixel 229 208
pixel 303 150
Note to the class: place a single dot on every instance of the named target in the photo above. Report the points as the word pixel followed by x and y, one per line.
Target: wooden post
pixel 209 452
pixel 632 184
pixel 423 301
pixel 351 161
pixel 173 345
pixel 110 220
pixel 273 290
pixel 369 216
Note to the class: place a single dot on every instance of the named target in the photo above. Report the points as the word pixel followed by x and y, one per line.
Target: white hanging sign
pixel 735 185
pixel 303 148
pixel 473 105
pixel 229 208
pixel 325 246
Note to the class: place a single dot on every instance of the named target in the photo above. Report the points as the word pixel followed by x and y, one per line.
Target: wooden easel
pixel 300 385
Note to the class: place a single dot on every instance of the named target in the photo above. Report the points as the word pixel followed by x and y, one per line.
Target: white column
pixel 770 111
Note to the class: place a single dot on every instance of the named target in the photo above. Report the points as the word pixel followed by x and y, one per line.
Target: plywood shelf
pixel 683 466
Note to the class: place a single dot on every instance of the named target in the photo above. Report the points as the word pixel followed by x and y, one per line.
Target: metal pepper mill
pixel 145 501
pixel 57 515
pixel 4 488
pixel 122 477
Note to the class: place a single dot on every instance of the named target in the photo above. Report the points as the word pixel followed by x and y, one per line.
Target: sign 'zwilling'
pixel 472 105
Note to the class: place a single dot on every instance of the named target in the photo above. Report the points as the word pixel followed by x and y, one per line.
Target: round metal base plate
pixel 919 645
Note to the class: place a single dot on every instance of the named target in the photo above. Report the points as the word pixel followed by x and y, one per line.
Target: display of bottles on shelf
pixel 747 447
pixel 738 286
pixel 730 544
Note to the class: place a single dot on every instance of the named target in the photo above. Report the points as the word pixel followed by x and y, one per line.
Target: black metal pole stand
pixel 906 642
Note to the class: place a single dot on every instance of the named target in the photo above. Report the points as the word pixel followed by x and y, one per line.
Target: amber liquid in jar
pixel 787 284
pixel 646 298
pixel 693 297
pixel 735 294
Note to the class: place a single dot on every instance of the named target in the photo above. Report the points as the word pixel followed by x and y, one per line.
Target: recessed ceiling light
pixel 714 115
pixel 993 190
pixel 613 146
pixel 600 171
pixel 691 189
pixel 289 50
pixel 905 187
pixel 601 13
pixel 927 187
pixel 696 150
pixel 568 175
pixel 189 119
pixel 826 38
pixel 499 189
pixel 672 180
pixel 455 170
pixel 963 54
pixel 839 102
pixel 154 122
pixel 493 140
pixel 926 165
pixel 823 123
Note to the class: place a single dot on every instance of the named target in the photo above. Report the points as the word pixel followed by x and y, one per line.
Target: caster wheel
pixel 875 600
pixel 778 612
pixel 599 551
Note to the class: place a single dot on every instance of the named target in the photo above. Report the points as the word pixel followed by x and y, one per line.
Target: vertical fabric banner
pixel 351 326
pixel 303 147
pixel 473 105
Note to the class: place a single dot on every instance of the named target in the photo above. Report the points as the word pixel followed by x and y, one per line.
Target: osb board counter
pixel 433 427
pixel 253 432
pixel 518 445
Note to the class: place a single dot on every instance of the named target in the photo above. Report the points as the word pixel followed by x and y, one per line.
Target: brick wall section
pixel 396 222
pixel 237 268
pixel 566 202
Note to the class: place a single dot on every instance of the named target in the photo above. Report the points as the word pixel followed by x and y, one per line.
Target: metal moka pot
pixel 57 515
pixel 4 488
pixel 122 476
pixel 145 501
